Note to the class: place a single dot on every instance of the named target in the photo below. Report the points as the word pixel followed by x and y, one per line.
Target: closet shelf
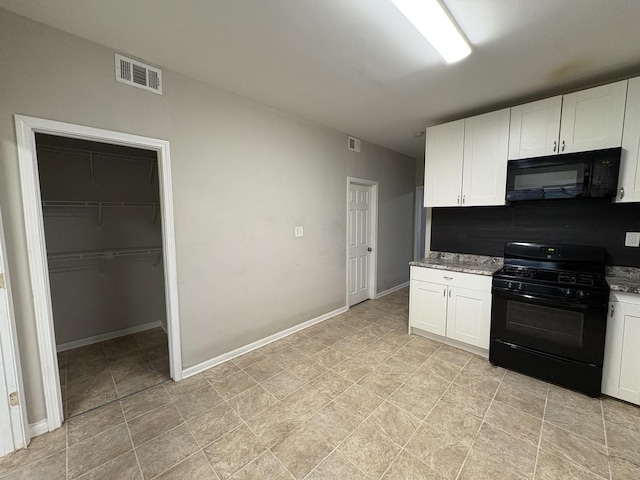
pixel 91 155
pixel 92 204
pixel 106 254
pixel 94 153
pixel 100 206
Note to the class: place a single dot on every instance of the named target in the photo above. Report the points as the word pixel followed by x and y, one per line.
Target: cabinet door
pixel 484 175
pixel 469 316
pixel 428 307
pixel 535 128
pixel 629 181
pixel 592 119
pixel 612 350
pixel 622 353
pixel 443 165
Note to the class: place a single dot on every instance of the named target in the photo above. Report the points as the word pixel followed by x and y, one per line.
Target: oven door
pixel 552 326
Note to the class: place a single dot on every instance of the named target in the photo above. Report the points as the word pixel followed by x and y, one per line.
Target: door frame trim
pixel 373 213
pixel 417 222
pixel 26 128
pixel 15 418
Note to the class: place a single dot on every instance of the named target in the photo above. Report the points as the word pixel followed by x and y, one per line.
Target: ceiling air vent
pixel 138 74
pixel 353 144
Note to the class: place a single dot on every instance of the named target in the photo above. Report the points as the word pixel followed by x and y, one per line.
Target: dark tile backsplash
pixel 485 230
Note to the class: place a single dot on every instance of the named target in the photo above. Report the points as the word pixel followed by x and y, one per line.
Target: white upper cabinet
pixel 466 161
pixel 592 119
pixel 443 165
pixel 629 180
pixel 587 120
pixel 535 128
pixel 484 173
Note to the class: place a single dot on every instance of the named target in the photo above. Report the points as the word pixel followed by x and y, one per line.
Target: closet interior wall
pixel 105 260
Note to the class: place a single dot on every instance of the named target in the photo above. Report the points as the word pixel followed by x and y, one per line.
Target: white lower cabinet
pixel 469 316
pixel 620 377
pixel 451 304
pixel 428 306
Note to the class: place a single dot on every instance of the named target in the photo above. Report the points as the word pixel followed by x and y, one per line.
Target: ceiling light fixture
pixel 434 23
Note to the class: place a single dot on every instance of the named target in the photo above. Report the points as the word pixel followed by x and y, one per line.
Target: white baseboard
pixel 38 428
pixel 392 289
pixel 107 336
pixel 201 367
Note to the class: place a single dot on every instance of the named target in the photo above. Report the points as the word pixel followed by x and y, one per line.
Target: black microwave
pixel 570 175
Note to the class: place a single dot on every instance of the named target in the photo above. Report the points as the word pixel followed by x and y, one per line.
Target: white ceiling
pixel 357 65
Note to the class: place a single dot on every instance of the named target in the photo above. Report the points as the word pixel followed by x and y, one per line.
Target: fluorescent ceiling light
pixel 434 23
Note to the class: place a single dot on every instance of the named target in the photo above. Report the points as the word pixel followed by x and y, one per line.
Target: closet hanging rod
pixel 103 254
pixel 92 204
pixel 92 153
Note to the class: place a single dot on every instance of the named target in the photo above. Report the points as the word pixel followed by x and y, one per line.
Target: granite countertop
pixel 459 262
pixel 624 279
pixel 620 279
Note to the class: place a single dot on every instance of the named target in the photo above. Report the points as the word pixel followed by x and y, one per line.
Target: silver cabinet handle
pixel 448 278
pixel 449 293
pixel 611 315
pixel 563 145
pixel 463 197
pixel 458 199
pixel 555 145
pixel 444 292
pixel 621 192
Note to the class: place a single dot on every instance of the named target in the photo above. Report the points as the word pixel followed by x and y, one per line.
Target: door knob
pixel 369 249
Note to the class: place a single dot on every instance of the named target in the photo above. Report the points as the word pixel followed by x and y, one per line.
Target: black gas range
pixel 549 313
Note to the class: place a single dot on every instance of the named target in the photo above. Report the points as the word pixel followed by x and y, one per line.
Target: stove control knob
pixel 580 294
pixel 510 285
pixel 521 286
pixel 567 292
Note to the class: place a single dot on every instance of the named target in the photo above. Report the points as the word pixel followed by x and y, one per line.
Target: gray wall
pixel 243 174
pixel 118 293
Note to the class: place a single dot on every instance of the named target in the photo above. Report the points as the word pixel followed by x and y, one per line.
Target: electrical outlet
pixel 298 231
pixel 632 239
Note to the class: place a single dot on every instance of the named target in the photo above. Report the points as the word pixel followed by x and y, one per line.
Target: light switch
pixel 632 239
pixel 298 231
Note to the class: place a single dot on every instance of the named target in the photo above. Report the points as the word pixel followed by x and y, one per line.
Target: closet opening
pixel 103 234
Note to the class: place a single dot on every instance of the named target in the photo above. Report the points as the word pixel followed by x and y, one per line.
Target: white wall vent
pixel 138 74
pixel 353 144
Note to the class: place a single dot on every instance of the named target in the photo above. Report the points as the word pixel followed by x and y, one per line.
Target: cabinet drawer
pixel 446 277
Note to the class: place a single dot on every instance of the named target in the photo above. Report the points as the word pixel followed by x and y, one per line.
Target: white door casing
pixel 26 128
pixel 361 239
pixel 13 419
pixel 420 224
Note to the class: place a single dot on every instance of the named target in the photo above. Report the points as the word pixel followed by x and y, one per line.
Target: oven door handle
pixel 547 300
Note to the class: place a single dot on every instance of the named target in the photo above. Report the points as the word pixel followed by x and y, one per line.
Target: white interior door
pixel 12 413
pixel 359 244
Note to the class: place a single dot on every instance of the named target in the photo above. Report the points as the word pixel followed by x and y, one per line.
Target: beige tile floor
pixel 352 398
pixel 98 374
